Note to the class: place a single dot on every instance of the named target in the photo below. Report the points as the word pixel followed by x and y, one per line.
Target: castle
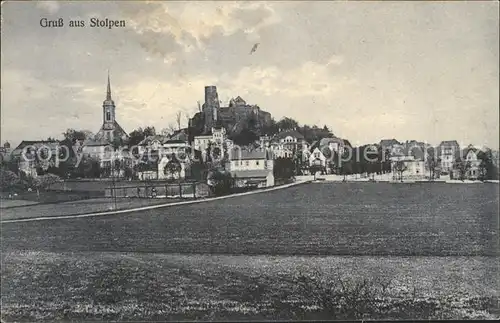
pixel 233 117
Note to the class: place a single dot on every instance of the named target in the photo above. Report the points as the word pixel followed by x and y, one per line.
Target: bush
pixel 221 183
pixel 9 181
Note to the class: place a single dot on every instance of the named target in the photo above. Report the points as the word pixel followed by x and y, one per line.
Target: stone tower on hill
pixel 210 107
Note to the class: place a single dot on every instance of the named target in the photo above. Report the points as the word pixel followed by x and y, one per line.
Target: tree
pixel 173 167
pixel 135 137
pixel 400 167
pixel 8 180
pixel 245 137
pixel 43 182
pixel 89 167
pixel 287 124
pixel 221 183
pixel 487 168
pixel 283 168
pixel 74 135
pixel 432 163
pixel 149 131
pixel 462 166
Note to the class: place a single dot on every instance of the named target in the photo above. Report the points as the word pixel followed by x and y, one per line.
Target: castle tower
pixel 210 107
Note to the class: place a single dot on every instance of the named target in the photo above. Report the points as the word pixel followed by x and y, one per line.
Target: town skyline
pixel 438 80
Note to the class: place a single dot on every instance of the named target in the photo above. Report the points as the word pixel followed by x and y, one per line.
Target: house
pixel 407 167
pixel 33 154
pixel 216 138
pixel 448 152
pixel 251 167
pixel 317 159
pixel 151 143
pixel 393 146
pixel 325 153
pixel 286 144
pixel 157 152
pixel 469 156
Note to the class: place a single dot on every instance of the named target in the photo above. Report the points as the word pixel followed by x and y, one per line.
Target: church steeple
pixel 108 93
pixel 108 107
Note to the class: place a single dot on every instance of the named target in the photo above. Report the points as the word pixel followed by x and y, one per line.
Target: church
pixel 110 129
pixel 110 135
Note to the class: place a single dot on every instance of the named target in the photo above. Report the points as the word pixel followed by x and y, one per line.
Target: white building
pixel 217 138
pixel 286 144
pixel 412 168
pixel 251 167
pixel 448 152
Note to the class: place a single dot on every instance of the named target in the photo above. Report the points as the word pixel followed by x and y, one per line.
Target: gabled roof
pixel 466 151
pixel 314 145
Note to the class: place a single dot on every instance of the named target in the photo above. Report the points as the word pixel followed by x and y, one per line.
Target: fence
pixel 158 190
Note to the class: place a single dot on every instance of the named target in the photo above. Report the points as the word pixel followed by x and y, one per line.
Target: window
pixel 108 116
pixel 247 163
pixel 257 162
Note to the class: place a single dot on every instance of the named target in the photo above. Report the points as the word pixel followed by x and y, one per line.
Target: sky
pixel 368 70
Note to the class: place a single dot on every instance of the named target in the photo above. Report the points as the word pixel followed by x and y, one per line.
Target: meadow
pixel 309 251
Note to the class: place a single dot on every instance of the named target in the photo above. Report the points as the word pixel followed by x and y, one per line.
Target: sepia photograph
pixel 249 161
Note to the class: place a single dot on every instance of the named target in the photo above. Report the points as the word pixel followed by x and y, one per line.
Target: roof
pixel 179 135
pixel 327 141
pixel 149 139
pixel 243 154
pixel 171 141
pixel 292 133
pixel 417 151
pixel 254 173
pixel 449 143
pixel 38 143
pixel 389 142
pixel 466 151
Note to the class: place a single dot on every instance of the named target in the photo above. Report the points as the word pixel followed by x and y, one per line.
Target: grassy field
pixel 310 219
pixel 80 207
pixel 129 286
pixel 425 250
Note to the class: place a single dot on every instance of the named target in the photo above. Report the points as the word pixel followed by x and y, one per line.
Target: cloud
pixel 49 6
pixel 192 24
pixel 308 79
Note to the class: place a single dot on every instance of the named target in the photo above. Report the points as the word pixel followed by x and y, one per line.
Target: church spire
pixel 108 93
